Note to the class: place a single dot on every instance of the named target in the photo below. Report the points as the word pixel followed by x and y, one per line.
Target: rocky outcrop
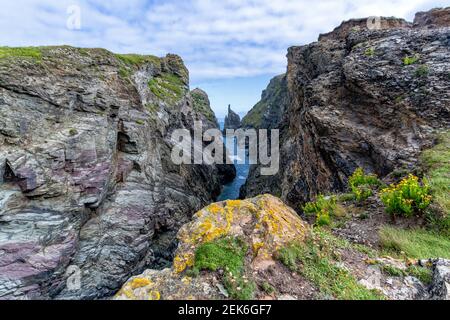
pixel 262 224
pixel 89 195
pixel 435 18
pixel 268 112
pixel 359 98
pixel 232 120
pixel 205 114
pixel 440 285
pixel 202 106
pixel 364 24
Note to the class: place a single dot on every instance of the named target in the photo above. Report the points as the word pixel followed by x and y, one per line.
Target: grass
pixel 167 87
pixel 393 271
pixel 227 254
pixel 315 261
pixel 415 243
pixel 137 60
pixel 423 274
pixel 34 53
pixel 409 60
pixel 437 164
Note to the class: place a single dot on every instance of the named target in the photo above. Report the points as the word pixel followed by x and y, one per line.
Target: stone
pixel 86 179
pixel 264 223
pixel 353 103
pixel 232 120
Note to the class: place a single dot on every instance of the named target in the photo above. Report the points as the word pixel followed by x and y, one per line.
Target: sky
pixel 231 47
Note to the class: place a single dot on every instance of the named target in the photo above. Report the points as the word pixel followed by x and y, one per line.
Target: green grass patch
pixel 393 271
pixel 409 60
pixel 34 53
pixel 167 87
pixel 318 267
pixel 436 162
pixel 423 274
pixel 227 254
pixel 416 243
pixel 316 261
pixel 137 59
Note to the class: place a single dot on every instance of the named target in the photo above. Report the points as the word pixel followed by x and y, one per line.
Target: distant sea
pixel 231 191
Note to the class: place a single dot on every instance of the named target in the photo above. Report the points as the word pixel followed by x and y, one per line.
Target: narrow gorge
pixel 88 187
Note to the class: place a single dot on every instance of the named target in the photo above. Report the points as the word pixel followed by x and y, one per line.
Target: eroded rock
pixel 264 223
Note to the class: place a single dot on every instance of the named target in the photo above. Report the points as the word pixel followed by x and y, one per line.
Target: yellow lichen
pixel 183 261
pixel 257 246
pixel 139 283
pixel 154 295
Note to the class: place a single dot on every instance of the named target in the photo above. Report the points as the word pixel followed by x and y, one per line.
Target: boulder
pixel 263 223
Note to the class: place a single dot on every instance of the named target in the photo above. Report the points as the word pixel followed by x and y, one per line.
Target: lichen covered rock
pixel 264 224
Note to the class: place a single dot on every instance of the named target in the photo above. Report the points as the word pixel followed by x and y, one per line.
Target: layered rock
pixel 359 98
pixel 88 190
pixel 264 224
pixel 232 120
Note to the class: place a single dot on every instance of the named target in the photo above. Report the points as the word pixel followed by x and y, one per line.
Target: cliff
pixel 87 186
pixel 360 98
pixel 268 112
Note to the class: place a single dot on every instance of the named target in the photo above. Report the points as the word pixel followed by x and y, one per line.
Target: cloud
pixel 217 39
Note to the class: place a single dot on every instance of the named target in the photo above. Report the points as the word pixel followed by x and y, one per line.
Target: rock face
pixel 440 286
pixel 88 191
pixel 435 18
pixel 205 114
pixel 268 112
pixel 360 98
pixel 263 223
pixel 232 120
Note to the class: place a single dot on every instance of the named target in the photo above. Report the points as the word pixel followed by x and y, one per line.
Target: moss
pixel 73 132
pixel 167 87
pixel 267 287
pixel 315 261
pixel 34 53
pixel 226 254
pixel 415 243
pixel 140 122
